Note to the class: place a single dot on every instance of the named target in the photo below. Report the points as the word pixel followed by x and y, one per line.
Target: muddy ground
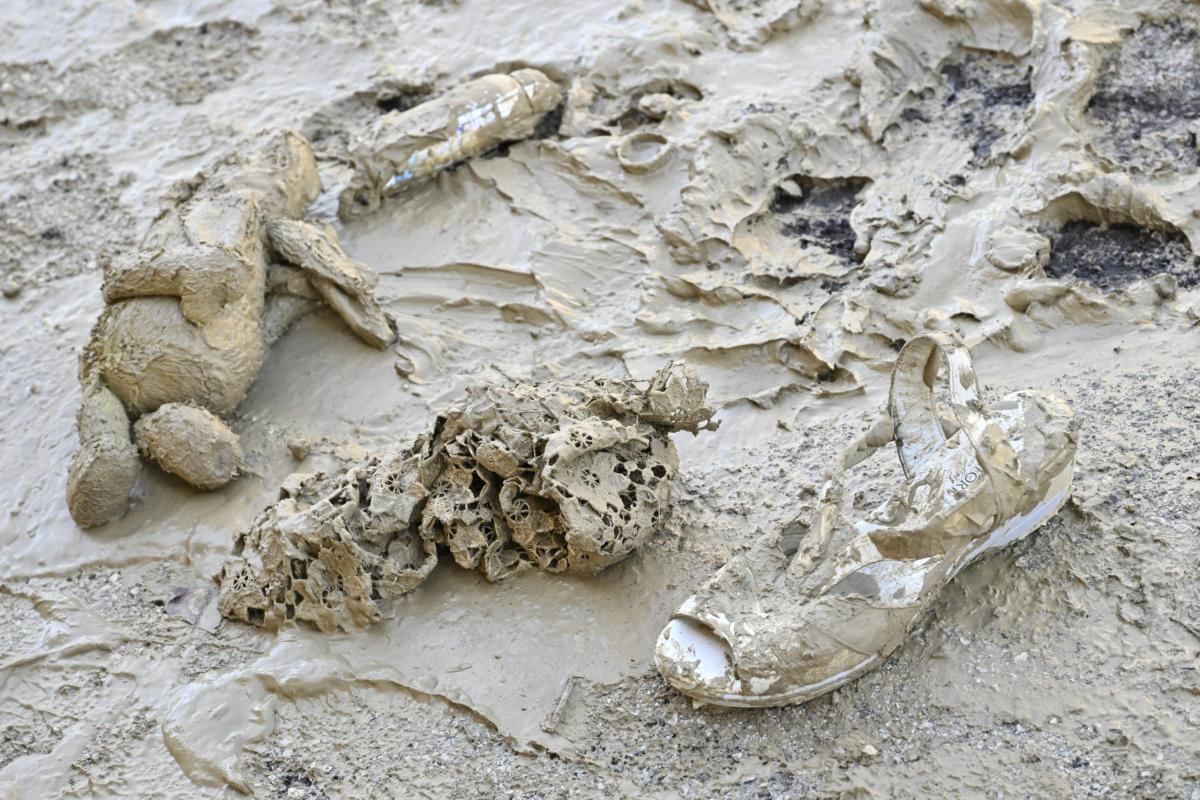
pixel 839 177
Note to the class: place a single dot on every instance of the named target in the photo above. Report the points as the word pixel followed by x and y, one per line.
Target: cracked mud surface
pixel 840 177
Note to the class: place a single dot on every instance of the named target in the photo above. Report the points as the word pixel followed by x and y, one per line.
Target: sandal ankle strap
pixel 917 426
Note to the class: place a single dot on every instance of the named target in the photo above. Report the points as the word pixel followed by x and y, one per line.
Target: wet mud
pixel 61 217
pixel 781 194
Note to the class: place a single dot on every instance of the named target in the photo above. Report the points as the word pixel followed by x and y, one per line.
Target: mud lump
pixel 565 477
pixel 182 335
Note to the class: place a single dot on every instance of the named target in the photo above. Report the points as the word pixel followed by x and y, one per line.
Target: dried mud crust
pixel 1111 257
pixel 983 99
pixel 566 477
pixel 1147 99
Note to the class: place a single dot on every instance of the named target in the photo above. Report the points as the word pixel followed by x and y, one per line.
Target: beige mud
pixel 839 177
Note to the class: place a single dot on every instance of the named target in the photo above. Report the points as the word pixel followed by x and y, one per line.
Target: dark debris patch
pixel 818 214
pixel 982 97
pixel 1147 98
pixel 548 127
pixel 1111 257
pixel 987 97
pixel 393 98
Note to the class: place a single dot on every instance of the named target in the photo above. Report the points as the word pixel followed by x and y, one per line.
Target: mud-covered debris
pixel 333 550
pixel 106 465
pixel 787 620
pixel 567 477
pixel 190 442
pixel 346 285
pixel 1112 256
pixel 183 321
pixel 644 151
pixel 330 128
pixel 404 147
pixel 1147 99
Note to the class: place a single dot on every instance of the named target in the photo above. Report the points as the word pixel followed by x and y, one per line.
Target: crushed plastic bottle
pixel 404 147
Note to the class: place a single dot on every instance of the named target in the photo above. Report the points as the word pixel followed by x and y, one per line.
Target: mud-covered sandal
pixel 779 625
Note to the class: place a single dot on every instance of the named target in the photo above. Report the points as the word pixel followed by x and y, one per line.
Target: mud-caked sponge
pixel 566 477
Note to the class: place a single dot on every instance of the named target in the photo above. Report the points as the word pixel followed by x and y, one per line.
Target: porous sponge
pixel 568 476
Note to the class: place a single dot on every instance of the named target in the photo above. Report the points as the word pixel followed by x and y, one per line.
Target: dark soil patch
pixel 819 215
pixel 982 97
pixel 1113 256
pixel 1147 96
pixel 986 94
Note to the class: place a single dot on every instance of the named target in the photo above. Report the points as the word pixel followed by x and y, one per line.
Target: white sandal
pixel 774 628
